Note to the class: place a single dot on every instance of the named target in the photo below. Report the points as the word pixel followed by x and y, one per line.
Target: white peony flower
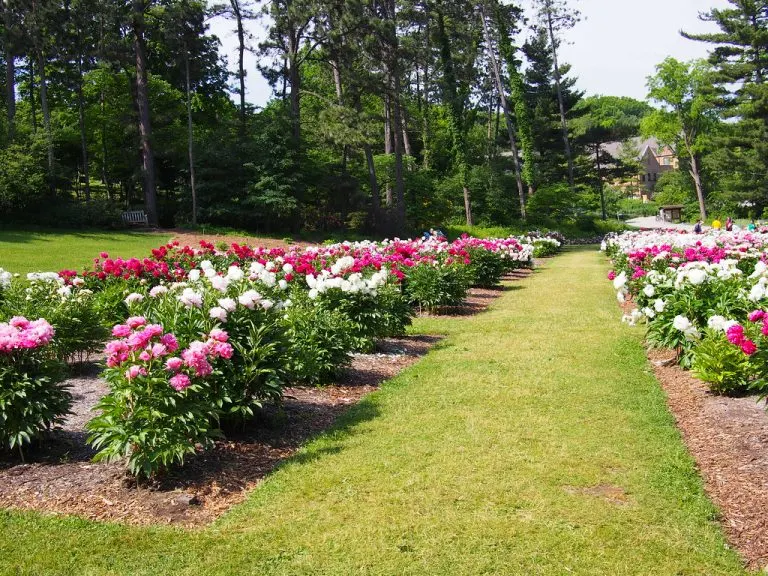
pixel 620 281
pixel 659 305
pixel 267 304
pixel 649 290
pixel 649 312
pixel 134 297
pixel 696 276
pixel 190 298
pixel 194 275
pixel 158 291
pixel 228 304
pixel 235 273
pixel 219 283
pixel 218 313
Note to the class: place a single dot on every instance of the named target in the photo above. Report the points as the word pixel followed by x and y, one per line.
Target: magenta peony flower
pixel 170 342
pixel 735 334
pixel 174 364
pixel 748 347
pixel 756 315
pixel 611 275
pixel 121 331
pixel 179 382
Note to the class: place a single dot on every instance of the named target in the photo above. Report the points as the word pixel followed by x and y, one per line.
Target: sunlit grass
pixel 51 251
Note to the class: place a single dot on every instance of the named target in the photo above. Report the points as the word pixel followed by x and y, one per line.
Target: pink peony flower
pixel 611 275
pixel 145 356
pixel 756 315
pixel 179 382
pixel 135 371
pixel 219 335
pixel 136 321
pixel 121 331
pixel 19 322
pixel 174 364
pixel 748 347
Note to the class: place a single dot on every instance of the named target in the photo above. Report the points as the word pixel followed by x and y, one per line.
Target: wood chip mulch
pixel 728 438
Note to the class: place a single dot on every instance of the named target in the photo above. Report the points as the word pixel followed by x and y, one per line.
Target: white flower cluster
pixel 685 326
pixel 354 284
pixel 5 279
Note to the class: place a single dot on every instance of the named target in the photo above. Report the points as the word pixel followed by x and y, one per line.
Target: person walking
pixel 729 224
pixel 697 228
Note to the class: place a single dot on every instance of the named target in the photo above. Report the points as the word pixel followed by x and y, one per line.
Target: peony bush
pixel 699 294
pixel 32 400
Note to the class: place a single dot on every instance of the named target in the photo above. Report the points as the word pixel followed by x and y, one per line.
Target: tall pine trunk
pixel 10 73
pixel 560 102
pixel 507 115
pixel 142 104
pixel 294 79
pixel 237 11
pixel 190 137
pixel 81 122
pixel 46 120
pixel 32 103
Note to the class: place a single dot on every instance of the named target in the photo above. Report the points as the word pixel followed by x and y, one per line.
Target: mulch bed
pixel 60 478
pixel 728 438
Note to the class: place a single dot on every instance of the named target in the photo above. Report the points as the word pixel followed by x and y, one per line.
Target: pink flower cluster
pixel 737 337
pixel 140 343
pixel 22 334
pixel 138 339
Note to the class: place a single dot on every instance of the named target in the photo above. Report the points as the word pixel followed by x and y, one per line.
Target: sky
pixel 612 50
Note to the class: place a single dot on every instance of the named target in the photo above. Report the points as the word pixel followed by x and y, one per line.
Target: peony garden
pixel 195 341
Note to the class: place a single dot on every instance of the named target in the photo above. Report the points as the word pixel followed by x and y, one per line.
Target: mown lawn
pixel 51 251
pixel 533 440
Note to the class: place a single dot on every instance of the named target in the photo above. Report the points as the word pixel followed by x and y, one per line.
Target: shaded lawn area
pixel 51 251
pixel 532 440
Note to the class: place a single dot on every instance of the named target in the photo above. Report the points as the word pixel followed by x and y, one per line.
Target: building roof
pixel 640 144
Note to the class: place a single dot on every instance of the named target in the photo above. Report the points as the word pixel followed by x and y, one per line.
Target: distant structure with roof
pixel 654 160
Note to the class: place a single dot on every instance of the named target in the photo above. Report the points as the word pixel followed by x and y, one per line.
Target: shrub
pixel 72 312
pixel 486 267
pixel 31 398
pixel 320 341
pixel 160 406
pixel 432 286
pixel 721 365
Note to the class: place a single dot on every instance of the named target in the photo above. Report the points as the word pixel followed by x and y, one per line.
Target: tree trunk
pixel 600 186
pixel 142 103
pixel 190 138
pixel 335 66
pixel 507 115
pixel 33 108
pixel 696 175
pixel 467 206
pixel 295 81
pixel 240 62
pixel 560 102
pixel 46 119
pixel 10 74
pixel 399 179
pixel 81 121
pixel 388 140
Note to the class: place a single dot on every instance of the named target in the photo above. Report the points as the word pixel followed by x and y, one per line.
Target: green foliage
pixel 486 268
pixel 31 398
pixel 721 365
pixel 431 287
pixel 320 341
pixel 148 423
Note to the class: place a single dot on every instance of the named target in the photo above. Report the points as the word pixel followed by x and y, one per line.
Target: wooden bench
pixel 136 217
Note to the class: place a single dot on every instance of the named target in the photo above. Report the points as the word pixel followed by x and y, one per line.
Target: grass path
pixel 533 441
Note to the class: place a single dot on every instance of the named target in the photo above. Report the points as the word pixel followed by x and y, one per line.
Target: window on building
pixel 642 178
